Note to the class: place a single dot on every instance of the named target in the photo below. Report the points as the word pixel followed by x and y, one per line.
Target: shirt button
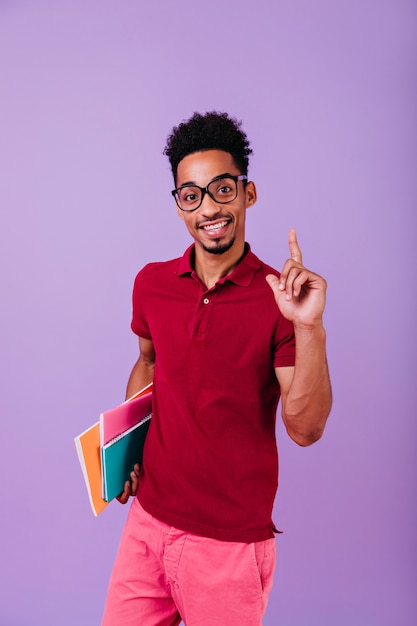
pixel 206 300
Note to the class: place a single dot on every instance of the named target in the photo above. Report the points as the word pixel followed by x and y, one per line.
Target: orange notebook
pixel 88 449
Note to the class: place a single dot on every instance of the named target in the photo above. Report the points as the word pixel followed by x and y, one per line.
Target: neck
pixel 210 268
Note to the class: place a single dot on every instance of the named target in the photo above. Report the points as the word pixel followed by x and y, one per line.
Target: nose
pixel 208 206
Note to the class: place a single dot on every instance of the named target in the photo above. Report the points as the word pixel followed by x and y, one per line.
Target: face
pixel 215 228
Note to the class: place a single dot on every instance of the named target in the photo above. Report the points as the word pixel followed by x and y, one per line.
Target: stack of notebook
pixel 109 449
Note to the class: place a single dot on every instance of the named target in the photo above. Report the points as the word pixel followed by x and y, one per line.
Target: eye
pixel 190 198
pixel 224 189
pixel 188 195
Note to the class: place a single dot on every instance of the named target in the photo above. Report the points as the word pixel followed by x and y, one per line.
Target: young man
pixel 223 337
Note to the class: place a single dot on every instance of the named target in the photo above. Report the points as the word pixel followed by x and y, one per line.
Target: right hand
pixel 131 486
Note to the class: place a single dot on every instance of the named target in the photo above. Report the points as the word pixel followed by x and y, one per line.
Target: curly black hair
pixel 211 131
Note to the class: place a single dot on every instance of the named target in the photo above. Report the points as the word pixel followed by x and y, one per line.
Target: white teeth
pixel 215 226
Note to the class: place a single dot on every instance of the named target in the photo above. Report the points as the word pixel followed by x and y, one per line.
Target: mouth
pixel 215 229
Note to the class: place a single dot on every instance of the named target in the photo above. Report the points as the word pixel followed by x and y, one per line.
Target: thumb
pixel 273 282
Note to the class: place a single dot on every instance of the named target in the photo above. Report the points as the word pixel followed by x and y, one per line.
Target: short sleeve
pixel 139 323
pixel 284 354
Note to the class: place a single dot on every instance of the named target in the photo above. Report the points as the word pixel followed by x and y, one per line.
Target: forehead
pixel 201 167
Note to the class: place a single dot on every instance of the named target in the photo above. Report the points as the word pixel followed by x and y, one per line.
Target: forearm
pixel 140 377
pixel 307 403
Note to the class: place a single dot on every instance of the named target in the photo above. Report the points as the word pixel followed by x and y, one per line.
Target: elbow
pixel 305 439
pixel 305 432
pixel 305 427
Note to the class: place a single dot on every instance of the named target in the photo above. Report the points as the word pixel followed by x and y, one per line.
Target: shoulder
pixel 157 270
pixel 268 269
pixel 263 268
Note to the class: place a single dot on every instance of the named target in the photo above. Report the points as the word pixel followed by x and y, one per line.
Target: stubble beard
pixel 220 248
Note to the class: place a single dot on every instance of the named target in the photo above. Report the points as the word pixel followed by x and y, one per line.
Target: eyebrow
pixel 193 183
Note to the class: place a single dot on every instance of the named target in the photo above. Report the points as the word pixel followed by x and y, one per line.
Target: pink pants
pixel 162 575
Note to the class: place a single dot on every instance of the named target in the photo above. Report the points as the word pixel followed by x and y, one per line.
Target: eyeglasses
pixel 222 189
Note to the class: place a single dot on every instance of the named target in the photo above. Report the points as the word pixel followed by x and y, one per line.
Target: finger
pixel 289 266
pixel 124 496
pixel 295 251
pixel 289 283
pixel 136 469
pixel 296 278
pixel 273 282
pixel 134 483
pixel 298 282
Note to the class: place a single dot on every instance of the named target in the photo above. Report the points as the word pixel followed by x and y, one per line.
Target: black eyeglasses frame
pixel 205 190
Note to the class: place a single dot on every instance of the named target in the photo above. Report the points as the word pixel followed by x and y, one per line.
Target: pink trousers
pixel 163 575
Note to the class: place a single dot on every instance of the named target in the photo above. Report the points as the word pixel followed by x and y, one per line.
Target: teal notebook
pixel 119 456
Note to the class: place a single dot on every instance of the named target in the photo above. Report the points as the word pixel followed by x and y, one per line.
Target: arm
pixel 305 388
pixel 142 372
pixel 140 376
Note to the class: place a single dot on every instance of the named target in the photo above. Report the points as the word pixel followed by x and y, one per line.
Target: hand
pixel 131 486
pixel 299 293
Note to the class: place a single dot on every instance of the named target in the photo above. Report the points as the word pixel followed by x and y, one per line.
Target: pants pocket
pixel 265 560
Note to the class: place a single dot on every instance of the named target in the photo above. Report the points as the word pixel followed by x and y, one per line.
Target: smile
pixel 215 227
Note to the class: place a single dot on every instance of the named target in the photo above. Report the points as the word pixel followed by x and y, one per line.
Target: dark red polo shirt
pixel 210 462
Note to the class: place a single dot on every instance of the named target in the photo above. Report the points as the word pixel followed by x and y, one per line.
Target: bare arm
pixel 140 376
pixel 142 372
pixel 305 388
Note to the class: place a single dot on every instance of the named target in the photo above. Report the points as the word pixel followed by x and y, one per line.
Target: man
pixel 222 336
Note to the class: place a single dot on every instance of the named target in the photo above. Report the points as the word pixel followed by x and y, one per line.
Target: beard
pixel 219 248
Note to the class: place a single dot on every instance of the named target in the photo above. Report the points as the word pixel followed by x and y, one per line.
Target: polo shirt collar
pixel 241 275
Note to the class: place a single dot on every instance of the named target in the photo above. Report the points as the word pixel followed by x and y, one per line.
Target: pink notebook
pixel 116 421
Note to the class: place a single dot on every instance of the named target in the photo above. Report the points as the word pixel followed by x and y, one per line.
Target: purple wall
pixel 327 92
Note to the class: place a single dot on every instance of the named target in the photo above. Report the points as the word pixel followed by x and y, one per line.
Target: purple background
pixel 327 92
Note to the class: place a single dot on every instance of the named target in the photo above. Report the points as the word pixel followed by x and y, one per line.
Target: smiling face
pixel 216 228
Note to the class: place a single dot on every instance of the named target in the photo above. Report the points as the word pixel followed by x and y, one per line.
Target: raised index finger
pixel 294 247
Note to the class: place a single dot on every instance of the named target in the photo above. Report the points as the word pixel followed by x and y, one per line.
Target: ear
pixel 250 194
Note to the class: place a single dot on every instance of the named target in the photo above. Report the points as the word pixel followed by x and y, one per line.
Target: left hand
pixel 299 293
pixel 130 487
